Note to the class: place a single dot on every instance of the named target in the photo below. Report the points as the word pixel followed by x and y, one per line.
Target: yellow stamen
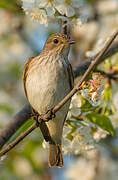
pixel 68 2
pixel 50 0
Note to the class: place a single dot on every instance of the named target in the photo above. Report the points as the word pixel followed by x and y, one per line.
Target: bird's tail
pixel 55 155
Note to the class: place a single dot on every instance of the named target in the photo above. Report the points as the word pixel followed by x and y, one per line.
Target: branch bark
pixel 59 105
pixel 82 67
pixel 17 140
pixel 19 119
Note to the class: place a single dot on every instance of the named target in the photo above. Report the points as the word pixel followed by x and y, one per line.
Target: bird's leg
pixel 36 118
pixel 47 116
pixel 43 117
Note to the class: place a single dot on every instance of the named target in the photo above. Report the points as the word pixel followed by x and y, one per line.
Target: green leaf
pixel 22 129
pixel 86 106
pixel 102 121
pixel 11 5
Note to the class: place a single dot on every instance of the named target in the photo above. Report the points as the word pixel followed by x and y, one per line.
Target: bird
pixel 47 79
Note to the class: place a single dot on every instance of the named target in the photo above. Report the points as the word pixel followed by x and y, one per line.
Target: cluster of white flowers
pixel 82 139
pixel 81 142
pixel 75 106
pixel 80 136
pixel 47 10
pixel 114 117
pixel 93 89
pixel 2 159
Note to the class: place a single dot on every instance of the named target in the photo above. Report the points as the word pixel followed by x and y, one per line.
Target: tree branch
pixel 17 140
pixel 64 29
pixel 82 67
pixel 19 119
pixel 59 105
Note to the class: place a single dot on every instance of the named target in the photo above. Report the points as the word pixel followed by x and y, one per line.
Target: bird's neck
pixel 51 56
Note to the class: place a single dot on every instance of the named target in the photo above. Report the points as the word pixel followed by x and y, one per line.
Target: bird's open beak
pixel 72 42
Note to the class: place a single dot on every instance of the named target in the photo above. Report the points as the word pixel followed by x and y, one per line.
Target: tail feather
pixel 55 155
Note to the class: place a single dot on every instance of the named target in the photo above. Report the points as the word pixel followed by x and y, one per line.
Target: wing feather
pixel 25 73
pixel 71 80
pixel 42 125
pixel 70 76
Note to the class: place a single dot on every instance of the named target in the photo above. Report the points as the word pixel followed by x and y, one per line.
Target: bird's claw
pixel 50 114
pixel 44 117
pixel 37 122
pixel 47 116
pixel 36 117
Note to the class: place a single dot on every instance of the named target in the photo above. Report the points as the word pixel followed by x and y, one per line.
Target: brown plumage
pixel 47 79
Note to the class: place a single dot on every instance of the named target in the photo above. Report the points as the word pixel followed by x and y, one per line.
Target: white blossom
pixel 85 94
pixel 48 6
pixel 32 9
pixel 100 134
pixel 75 105
pixel 28 4
pixel 94 89
pixel 81 142
pixel 67 7
pixel 3 158
pixel 50 10
pixel 40 14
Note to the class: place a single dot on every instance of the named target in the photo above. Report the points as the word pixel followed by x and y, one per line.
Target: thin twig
pixel 64 27
pixel 17 140
pixel 83 66
pixel 59 105
pixel 19 119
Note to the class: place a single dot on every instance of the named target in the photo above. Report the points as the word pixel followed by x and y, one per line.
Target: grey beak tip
pixel 72 42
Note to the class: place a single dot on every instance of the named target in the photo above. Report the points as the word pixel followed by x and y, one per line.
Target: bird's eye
pixel 55 41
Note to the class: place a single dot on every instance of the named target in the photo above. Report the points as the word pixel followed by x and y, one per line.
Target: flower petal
pixel 65 10
pixel 69 11
pixel 50 11
pixel 42 4
pixel 77 3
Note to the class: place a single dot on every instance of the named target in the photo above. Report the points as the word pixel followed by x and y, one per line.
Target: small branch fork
pixel 59 105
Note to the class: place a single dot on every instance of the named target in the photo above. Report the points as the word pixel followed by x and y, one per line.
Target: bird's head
pixel 58 43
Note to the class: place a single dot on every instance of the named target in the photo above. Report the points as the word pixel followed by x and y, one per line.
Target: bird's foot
pixel 37 122
pixel 36 117
pixel 46 117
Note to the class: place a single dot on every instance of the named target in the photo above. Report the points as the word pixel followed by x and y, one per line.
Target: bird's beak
pixel 72 42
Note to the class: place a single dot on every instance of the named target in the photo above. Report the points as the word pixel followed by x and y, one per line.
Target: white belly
pixel 46 88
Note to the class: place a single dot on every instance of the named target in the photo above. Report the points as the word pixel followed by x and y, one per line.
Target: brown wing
pixel 70 76
pixel 25 72
pixel 42 125
pixel 71 79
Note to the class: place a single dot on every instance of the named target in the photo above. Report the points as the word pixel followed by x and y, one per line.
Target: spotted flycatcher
pixel 47 79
